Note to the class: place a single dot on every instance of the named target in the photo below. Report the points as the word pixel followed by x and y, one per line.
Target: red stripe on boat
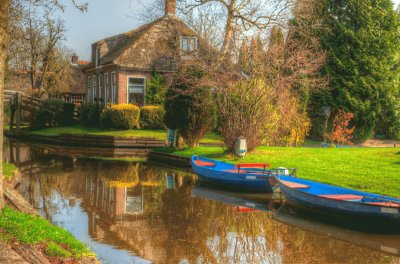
pixel 343 197
pixel 243 209
pixel 252 165
pixel 204 163
pixel 388 204
pixel 294 185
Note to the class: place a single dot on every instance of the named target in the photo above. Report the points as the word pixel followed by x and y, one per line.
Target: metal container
pixel 240 147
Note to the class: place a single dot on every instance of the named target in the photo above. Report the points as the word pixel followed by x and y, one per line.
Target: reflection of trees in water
pixel 174 225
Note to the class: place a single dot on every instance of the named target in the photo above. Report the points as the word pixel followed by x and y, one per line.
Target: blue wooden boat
pixel 253 177
pixel 339 201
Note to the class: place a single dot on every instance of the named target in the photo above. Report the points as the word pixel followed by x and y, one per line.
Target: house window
pixel 189 44
pixel 95 94
pixel 113 87
pixel 89 88
pixel 106 101
pixel 101 89
pixel 136 90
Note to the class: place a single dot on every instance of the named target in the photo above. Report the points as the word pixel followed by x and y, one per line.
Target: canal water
pixel 144 213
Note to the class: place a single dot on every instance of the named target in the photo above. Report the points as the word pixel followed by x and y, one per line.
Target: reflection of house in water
pixel 113 202
pixel 127 212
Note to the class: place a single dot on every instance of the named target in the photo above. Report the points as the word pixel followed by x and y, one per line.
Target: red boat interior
pixel 295 185
pixel 204 163
pixel 343 197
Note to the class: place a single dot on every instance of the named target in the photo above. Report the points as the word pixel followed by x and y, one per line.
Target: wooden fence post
pixel 19 110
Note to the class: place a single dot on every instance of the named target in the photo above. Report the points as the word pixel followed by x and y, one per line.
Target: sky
pixel 104 18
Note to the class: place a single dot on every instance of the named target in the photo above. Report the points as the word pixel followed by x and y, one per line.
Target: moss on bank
pixel 374 170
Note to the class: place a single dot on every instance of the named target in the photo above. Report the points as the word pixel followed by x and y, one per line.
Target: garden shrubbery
pixel 122 116
pixel 90 114
pixel 190 108
pixel 54 112
pixel 151 116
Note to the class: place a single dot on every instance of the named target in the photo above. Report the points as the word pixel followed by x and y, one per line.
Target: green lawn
pixel 369 169
pixel 210 138
pixel 29 229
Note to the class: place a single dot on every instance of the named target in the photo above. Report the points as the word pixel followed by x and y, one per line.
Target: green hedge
pixel 122 116
pixel 54 112
pixel 152 116
pixel 90 114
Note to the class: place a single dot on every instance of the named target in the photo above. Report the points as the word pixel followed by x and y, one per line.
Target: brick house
pixel 122 64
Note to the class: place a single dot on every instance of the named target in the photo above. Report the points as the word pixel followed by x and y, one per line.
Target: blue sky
pixel 103 19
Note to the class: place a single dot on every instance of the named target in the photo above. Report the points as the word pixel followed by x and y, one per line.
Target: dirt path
pixel 382 143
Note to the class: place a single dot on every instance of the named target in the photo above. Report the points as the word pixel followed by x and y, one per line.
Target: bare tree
pixel 244 109
pixel 244 15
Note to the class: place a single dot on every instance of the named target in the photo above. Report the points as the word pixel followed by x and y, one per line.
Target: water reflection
pixel 140 213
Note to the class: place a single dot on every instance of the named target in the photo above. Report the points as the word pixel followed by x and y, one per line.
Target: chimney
pixel 170 7
pixel 74 59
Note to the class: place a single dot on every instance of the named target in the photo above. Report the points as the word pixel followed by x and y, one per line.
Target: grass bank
pixel 32 230
pixel 54 241
pixel 374 170
pixel 210 138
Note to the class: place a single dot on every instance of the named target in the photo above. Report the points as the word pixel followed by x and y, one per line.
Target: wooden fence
pixel 19 102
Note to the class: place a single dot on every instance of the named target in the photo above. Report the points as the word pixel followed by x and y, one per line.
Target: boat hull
pixel 243 182
pixel 365 213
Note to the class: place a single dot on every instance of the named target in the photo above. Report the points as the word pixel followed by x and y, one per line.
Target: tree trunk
pixel 4 8
pixel 228 33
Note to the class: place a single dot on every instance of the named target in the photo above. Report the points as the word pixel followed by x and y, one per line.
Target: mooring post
pixel 19 110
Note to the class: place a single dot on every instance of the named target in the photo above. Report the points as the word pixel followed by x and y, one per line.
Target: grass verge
pixel 210 138
pixel 374 170
pixel 33 230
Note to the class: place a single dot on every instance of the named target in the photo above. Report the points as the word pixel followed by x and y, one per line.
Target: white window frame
pixel 194 48
pixel 113 87
pixel 105 88
pixel 127 87
pixel 101 87
pixel 94 78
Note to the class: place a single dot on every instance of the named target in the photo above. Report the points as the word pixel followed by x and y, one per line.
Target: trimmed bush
pixel 122 116
pixel 151 116
pixel 90 114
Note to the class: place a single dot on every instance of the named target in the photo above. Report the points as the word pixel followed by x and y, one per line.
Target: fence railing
pixel 19 102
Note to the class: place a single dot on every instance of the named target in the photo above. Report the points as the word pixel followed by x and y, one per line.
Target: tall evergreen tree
pixel 362 43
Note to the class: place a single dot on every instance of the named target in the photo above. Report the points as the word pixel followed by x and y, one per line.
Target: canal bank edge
pixel 25 253
pixel 169 159
pixel 93 145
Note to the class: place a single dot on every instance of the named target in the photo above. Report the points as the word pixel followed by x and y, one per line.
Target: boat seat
pixel 295 185
pixel 343 197
pixel 204 163
pixel 388 204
